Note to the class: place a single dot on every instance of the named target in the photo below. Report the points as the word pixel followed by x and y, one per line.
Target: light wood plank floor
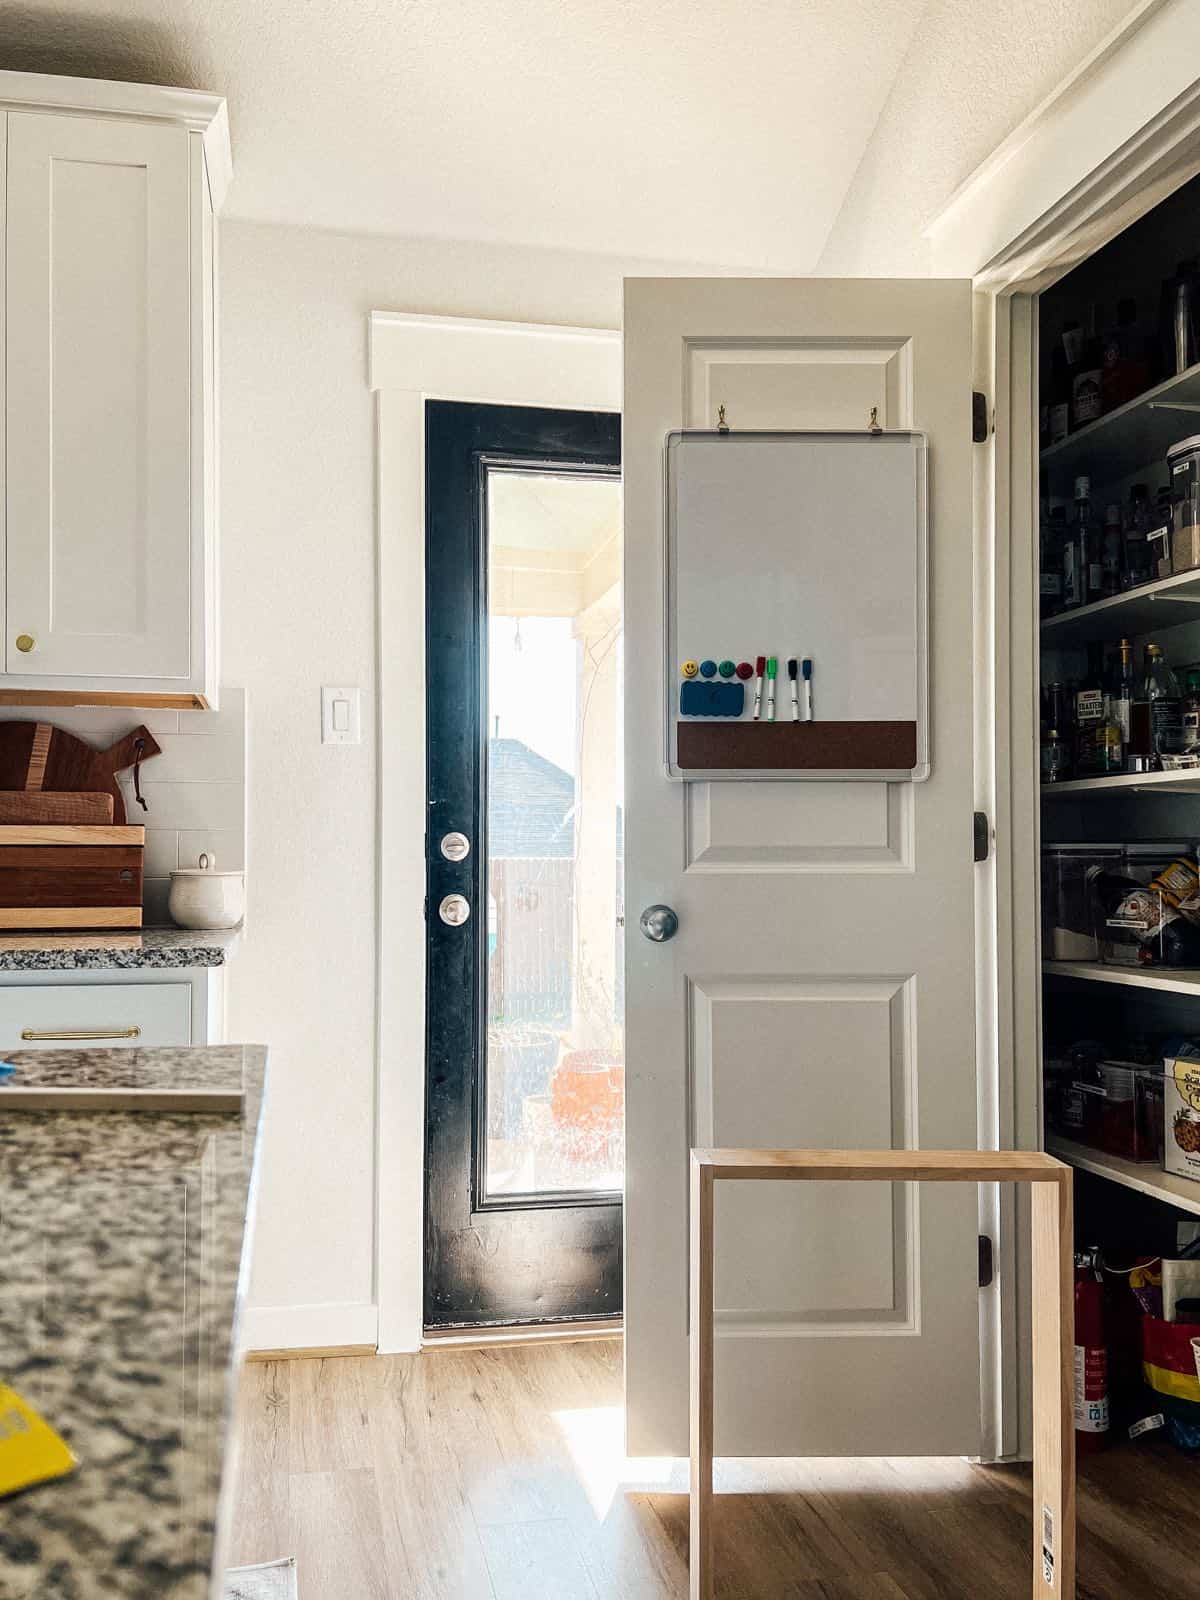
pixel 498 1474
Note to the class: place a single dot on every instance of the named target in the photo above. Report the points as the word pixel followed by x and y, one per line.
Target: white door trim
pixel 1071 178
pixel 414 359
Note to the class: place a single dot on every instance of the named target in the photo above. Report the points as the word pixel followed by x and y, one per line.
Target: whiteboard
pixel 797 545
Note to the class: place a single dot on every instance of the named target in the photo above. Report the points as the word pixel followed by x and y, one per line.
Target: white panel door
pixel 98 424
pixel 820 989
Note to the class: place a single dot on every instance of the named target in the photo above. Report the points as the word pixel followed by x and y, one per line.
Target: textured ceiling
pixel 724 132
pixel 962 89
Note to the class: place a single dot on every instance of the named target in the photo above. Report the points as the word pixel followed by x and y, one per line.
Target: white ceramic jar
pixel 202 897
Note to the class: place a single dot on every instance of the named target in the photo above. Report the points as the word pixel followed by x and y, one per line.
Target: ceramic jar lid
pixel 206 867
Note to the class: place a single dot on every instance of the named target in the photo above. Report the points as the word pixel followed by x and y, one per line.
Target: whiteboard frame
pixel 922 766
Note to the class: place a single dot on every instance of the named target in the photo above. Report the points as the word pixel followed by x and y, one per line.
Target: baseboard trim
pixel 533 1333
pixel 327 1352
pixel 331 1325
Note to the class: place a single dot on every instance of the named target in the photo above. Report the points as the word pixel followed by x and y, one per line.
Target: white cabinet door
pixel 820 989
pixel 99 407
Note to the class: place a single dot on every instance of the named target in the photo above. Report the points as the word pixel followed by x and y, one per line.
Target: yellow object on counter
pixel 30 1450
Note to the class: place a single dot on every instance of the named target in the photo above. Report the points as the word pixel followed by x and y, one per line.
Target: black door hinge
pixel 983 836
pixel 979 417
pixel 987 1266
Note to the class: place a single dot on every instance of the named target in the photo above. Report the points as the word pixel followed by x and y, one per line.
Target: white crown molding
pixel 1107 145
pixel 502 363
pixel 205 114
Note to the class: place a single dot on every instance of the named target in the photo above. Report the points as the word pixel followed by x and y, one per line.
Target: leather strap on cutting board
pixel 41 757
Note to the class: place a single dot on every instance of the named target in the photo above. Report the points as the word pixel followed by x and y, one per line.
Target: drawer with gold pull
pixel 97 1016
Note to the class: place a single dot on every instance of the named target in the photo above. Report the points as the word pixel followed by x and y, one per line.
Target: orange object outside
pixel 587 1095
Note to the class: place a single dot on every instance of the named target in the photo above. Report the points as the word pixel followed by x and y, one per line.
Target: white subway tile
pixel 228 722
pixel 227 845
pixel 162 852
pixel 186 759
pixel 187 805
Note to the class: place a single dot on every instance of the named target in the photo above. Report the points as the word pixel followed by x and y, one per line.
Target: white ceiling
pixel 723 132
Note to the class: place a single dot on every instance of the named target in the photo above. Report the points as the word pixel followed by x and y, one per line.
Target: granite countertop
pixel 145 947
pixel 121 1259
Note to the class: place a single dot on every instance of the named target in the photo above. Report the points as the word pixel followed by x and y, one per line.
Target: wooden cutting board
pixel 38 756
pixel 40 805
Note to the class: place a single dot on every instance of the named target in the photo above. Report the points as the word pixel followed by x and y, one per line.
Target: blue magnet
pixel 717 699
pixel 708 669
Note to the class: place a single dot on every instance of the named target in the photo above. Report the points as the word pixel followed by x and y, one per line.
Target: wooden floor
pixel 498 1474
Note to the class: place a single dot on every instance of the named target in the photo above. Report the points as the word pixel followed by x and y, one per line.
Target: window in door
pixel 554 1090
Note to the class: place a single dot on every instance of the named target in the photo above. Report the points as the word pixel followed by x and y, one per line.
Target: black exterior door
pixel 524 1106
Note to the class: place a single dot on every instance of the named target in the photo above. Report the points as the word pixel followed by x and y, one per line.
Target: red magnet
pixel 744 670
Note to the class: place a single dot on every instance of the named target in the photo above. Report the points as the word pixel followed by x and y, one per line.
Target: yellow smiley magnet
pixel 690 669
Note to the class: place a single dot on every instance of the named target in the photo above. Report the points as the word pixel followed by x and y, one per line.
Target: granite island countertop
pixel 140 947
pixel 121 1254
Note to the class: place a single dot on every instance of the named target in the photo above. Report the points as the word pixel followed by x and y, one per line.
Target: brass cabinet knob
pixel 25 642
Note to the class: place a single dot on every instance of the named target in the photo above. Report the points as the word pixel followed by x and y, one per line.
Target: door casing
pixel 414 358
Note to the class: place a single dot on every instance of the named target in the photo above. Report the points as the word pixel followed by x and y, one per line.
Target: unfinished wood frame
pixel 1053 1323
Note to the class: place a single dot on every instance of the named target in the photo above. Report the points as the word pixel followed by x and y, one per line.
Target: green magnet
pixel 727 669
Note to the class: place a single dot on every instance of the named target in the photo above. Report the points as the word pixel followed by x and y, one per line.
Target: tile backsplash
pixel 196 789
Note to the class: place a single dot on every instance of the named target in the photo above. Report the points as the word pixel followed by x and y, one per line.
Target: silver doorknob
pixel 454 910
pixel 659 923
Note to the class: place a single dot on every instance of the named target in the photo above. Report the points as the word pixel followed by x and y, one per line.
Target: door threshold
pixel 523 1333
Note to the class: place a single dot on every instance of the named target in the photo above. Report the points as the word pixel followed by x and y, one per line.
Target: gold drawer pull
pixel 81 1033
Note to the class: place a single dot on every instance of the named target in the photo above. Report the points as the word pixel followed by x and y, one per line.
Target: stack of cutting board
pixel 68 859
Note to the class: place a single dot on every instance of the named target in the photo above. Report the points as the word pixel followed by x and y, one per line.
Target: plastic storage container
pixel 1135 906
pixel 1068 914
pixel 1183 465
pixel 1112 1106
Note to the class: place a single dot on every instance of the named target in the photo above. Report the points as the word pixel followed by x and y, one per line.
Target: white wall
pixel 974 70
pixel 299 609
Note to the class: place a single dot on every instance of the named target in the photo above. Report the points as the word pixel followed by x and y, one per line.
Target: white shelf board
pixel 1174 980
pixel 1140 1175
pixel 1127 782
pixel 1134 436
pixel 1166 603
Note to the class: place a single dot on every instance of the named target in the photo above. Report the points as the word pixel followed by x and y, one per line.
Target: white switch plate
pixel 341 715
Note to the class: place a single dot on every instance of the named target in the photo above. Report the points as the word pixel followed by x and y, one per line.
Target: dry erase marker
pixel 760 666
pixel 806 669
pixel 772 665
pixel 795 697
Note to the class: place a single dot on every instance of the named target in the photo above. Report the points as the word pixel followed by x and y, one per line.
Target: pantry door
pixel 820 989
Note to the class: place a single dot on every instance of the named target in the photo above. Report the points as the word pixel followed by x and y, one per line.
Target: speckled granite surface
pixel 147 947
pixel 121 1248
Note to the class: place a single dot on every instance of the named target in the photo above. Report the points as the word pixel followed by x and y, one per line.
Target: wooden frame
pixel 1053 1322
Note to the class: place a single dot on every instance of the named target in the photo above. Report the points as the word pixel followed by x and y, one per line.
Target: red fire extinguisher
pixel 1091 1354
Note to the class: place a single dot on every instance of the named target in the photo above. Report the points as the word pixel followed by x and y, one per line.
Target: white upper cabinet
pixel 109 403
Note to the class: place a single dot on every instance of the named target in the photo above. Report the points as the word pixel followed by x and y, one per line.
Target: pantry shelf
pixel 1139 1175
pixel 1135 435
pixel 1174 980
pixel 1127 782
pixel 1164 604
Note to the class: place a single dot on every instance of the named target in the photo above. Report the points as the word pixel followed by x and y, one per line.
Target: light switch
pixel 341 715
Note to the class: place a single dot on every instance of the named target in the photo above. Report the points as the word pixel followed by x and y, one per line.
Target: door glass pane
pixel 554 1091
